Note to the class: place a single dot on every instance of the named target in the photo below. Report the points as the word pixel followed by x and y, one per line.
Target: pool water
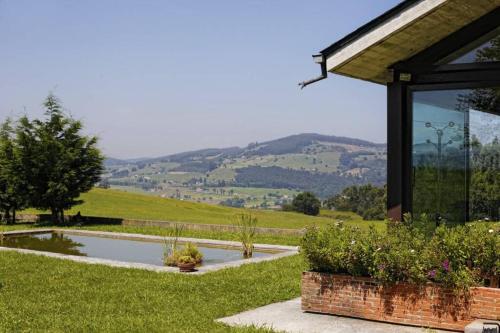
pixel 136 251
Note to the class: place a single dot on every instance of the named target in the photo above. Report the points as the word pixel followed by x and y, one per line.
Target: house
pixel 440 62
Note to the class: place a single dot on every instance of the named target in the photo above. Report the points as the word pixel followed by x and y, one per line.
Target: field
pixel 278 165
pixel 321 162
pixel 65 296
pixel 119 204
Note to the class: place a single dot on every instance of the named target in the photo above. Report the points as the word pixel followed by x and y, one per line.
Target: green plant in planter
pixel 247 225
pixel 191 250
pixel 464 256
pixel 186 260
pixel 456 257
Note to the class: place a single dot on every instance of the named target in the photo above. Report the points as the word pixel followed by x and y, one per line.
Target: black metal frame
pixel 421 73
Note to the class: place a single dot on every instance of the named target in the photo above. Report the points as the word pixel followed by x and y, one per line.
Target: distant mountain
pixel 296 143
pixel 109 161
pixel 324 164
pixel 287 145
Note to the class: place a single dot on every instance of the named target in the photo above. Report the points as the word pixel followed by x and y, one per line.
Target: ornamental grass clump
pixel 456 257
pixel 170 246
pixel 247 225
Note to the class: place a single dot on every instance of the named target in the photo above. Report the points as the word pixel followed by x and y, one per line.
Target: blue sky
pixel 157 77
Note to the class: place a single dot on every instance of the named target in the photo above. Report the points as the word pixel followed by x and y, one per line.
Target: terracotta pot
pixel 187 267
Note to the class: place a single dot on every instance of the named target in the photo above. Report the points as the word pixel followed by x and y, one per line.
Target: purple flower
pixel 446 265
pixel 381 266
pixel 432 274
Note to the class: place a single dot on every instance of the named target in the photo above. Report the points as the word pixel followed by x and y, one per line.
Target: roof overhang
pixel 404 31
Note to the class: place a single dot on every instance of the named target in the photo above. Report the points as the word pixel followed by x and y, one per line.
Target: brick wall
pixel 429 306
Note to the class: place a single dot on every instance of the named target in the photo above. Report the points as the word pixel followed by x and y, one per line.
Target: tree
pixel 13 190
pixel 307 203
pixel 365 200
pixel 58 161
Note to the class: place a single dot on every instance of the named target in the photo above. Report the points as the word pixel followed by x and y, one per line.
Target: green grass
pixel 47 294
pixel 157 231
pixel 118 204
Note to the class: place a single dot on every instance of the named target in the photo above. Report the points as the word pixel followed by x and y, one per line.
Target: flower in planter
pixel 432 274
pixel 446 265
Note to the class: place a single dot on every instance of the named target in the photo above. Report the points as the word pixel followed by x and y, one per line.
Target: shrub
pixel 306 203
pixel 458 257
pixel 340 249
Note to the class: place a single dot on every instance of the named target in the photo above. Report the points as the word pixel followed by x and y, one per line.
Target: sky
pixel 153 77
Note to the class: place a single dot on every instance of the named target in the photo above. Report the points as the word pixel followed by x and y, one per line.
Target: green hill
pixel 305 162
pixel 120 204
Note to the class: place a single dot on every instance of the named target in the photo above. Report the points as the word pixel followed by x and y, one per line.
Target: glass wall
pixel 456 154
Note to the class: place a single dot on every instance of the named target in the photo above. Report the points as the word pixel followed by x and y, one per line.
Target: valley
pixel 261 175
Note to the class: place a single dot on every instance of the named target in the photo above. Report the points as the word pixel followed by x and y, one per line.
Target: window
pixel 484 49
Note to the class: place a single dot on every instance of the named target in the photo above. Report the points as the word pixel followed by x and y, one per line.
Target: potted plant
pixel 186 263
pixel 186 258
pixel 191 250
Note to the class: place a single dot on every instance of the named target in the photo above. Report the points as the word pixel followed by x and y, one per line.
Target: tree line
pixel 46 163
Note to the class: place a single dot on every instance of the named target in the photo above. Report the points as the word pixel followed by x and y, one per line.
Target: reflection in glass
pixel 439 156
pixel 484 49
pixel 456 154
pixel 485 166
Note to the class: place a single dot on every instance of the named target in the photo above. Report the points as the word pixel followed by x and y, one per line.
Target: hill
pixel 281 168
pixel 120 204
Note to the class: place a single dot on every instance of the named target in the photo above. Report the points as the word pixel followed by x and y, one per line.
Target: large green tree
pixel 58 160
pixel 13 190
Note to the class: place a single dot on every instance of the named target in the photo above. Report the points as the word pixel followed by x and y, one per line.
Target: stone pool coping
pixel 284 251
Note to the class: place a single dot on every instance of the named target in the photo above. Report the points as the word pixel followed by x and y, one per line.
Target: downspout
pixel 319 59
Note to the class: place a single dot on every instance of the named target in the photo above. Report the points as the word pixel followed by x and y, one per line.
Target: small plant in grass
pixel 247 228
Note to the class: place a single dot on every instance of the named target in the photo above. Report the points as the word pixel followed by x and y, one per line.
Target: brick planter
pixel 429 306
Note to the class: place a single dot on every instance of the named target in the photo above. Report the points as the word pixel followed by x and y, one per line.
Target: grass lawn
pixel 259 238
pixel 119 204
pixel 47 294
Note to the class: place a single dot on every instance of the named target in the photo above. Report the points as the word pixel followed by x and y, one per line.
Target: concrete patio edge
pixel 288 317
